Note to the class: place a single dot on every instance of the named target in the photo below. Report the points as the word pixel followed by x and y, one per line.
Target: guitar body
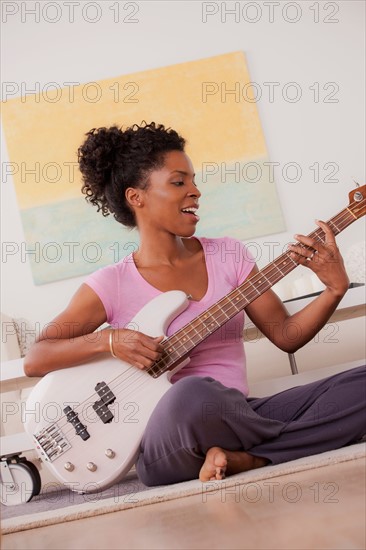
pixel 101 453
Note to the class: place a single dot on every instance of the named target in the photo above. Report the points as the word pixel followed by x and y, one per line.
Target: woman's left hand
pixel 324 259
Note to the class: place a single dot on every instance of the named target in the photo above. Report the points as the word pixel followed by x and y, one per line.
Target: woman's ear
pixel 133 197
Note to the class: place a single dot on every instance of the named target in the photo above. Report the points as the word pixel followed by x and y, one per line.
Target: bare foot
pixel 214 466
pixel 220 462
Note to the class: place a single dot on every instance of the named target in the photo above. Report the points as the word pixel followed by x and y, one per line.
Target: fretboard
pixel 180 344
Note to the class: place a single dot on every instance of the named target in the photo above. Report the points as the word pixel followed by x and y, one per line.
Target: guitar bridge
pixel 51 442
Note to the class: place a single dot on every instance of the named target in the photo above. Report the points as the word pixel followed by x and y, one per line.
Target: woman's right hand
pixel 136 348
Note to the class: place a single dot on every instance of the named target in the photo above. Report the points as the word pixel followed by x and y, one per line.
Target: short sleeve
pixel 104 282
pixel 242 258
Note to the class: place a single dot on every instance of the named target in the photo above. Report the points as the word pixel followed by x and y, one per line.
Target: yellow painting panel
pixel 208 101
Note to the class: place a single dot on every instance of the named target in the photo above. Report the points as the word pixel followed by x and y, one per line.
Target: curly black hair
pixel 112 159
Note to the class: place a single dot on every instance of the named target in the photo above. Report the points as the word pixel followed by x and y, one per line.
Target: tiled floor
pixel 323 508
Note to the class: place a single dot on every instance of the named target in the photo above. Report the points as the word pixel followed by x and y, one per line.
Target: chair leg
pixel 293 364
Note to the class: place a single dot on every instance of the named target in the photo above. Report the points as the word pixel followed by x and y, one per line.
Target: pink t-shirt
pixel 123 292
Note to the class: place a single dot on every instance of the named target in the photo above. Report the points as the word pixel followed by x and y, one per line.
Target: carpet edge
pixel 185 489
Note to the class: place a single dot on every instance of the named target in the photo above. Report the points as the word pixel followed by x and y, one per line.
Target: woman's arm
pixel 70 340
pixel 291 332
pixel 67 340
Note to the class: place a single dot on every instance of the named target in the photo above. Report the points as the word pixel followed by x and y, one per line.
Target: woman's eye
pixel 178 183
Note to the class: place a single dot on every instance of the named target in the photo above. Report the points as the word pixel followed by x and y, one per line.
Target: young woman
pixel 204 426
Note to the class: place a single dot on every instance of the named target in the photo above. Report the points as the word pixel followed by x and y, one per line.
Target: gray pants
pixel 199 413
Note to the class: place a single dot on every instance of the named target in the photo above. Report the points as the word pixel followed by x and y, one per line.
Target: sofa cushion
pixel 9 339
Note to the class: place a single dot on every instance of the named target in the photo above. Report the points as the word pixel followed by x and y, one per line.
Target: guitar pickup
pixel 107 397
pixel 105 393
pixel 73 418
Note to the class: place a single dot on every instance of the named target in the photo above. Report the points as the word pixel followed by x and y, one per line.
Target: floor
pixel 324 508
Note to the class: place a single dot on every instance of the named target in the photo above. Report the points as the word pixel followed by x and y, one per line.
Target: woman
pixel 204 426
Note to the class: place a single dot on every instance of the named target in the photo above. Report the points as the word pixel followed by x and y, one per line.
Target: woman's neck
pixel 166 249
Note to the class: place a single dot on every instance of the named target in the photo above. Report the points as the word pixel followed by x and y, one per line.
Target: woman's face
pixel 171 191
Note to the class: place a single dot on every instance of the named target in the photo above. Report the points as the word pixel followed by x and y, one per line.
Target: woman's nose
pixel 194 192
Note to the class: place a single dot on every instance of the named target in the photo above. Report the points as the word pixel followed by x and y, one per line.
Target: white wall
pixel 305 132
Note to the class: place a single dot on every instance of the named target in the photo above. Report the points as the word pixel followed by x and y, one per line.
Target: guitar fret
pixel 173 353
pixel 177 341
pixel 334 225
pixel 181 343
pixel 350 218
pixel 276 266
pixel 224 312
pixel 216 310
pixel 254 287
pixel 187 341
pixel 211 318
pixel 350 211
pixel 184 342
pixel 196 331
pixel 199 328
pixel 234 305
pixel 162 363
pixel 268 281
pixel 239 299
pixel 212 324
pixel 155 370
pixel 286 265
pixel 218 321
pixel 291 265
pixel 231 310
pixel 263 285
pixel 208 326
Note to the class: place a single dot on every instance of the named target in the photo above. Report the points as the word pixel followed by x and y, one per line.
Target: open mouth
pixel 191 211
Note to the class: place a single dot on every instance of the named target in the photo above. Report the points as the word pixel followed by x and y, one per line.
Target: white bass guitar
pixel 87 421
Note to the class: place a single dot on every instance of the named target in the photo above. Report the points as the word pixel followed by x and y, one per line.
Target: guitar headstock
pixel 357 201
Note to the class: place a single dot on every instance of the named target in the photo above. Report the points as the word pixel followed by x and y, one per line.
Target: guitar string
pixel 235 311
pixel 234 308
pixel 237 308
pixel 250 281
pixel 220 314
pixel 136 374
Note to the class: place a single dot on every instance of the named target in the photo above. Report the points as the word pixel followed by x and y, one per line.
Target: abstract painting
pixel 209 101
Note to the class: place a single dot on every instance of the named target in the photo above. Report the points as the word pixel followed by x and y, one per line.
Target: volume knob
pixel 109 453
pixel 69 466
pixel 91 466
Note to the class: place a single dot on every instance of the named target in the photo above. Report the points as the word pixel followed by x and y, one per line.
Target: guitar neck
pixel 178 346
